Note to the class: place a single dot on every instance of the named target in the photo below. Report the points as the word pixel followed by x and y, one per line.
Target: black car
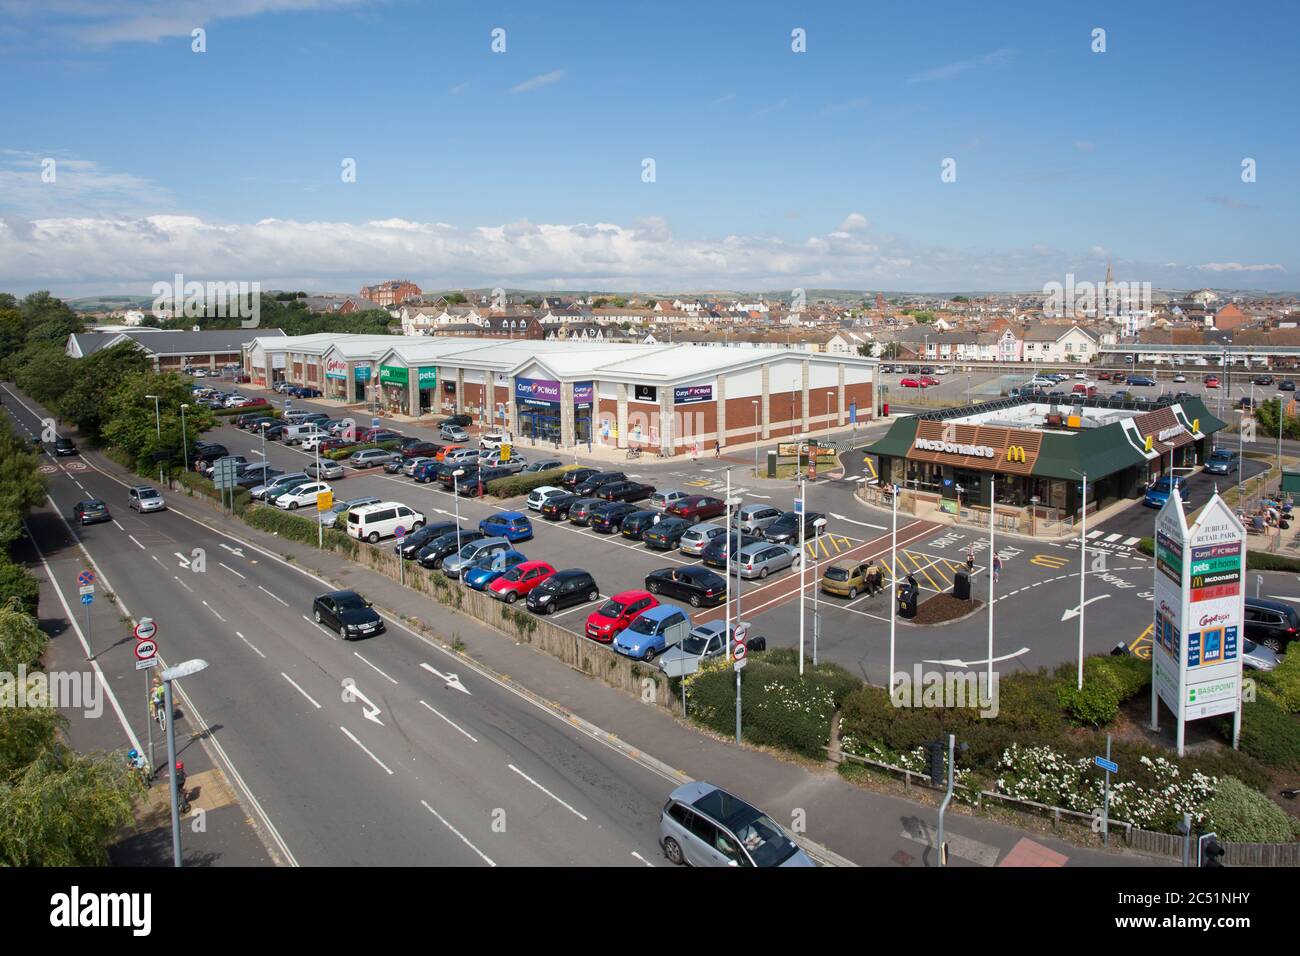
pixel 348 613
pixel 440 548
pixel 692 583
pixel 785 529
pixel 667 534
pixel 609 519
pixel 1286 385
pixel 411 545
pixel 1263 379
pixel 91 511
pixel 598 480
pixel 556 507
pixel 64 446
pixel 208 465
pixel 625 491
pixel 580 511
pixel 715 553
pixel 255 475
pixel 1273 624
pixel 637 523
pixel 571 479
pixel 446 473
pixel 250 420
pixel 461 421
pixel 567 588
pixel 208 451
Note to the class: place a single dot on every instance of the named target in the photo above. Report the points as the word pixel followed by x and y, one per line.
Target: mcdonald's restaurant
pixel 1034 459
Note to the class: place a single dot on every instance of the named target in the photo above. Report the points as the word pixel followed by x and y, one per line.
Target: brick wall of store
pixel 472 399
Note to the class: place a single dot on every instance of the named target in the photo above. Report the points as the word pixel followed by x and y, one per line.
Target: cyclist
pixel 158 697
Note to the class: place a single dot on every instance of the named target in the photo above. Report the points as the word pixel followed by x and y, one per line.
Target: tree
pixel 97 375
pixel 49 319
pixel 18 585
pixel 129 421
pixel 22 642
pixel 21 486
pixel 42 370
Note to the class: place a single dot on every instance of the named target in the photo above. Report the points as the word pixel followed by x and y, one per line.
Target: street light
pixel 186 669
pixel 817 621
pixel 803 512
pixel 731 503
pixel 184 450
pixel 157 420
pixel 455 493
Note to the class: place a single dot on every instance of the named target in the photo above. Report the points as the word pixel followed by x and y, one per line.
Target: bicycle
pixel 633 453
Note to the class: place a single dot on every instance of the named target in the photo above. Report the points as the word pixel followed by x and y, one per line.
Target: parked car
pixel 910 383
pixel 144 498
pixel 667 534
pixel 410 545
pixel 579 512
pixel 1286 385
pixel 490 566
pixel 698 537
pixel 593 484
pixel 470 552
pixel 276 484
pixel 556 507
pixel 752 519
pixel 491 440
pixel 663 500
pixel 1180 378
pixel 208 466
pixel 1158 493
pixel 519 580
pixel 208 451
pixel 381 520
pixel 274 495
pixel 696 508
pixel 1210 381
pixel 511 525
pixel 715 555
pixel 609 519
pixel 652 632
pixel 563 589
pixel 1263 380
pixel 348 613
pixel 453 433
pixel 608 620
pixel 574 477
pixel 1223 462
pixel 785 529
pixel 539 496
pixel 760 559
pixel 705 641
pixel 304 494
pixel 1142 381
pixel 1271 623
pixel 703 825
pixel 91 511
pixel 637 523
pixel 370 457
pixel 433 554
pixel 1257 657
pixel 411 464
pixel 461 421
pixel 693 583
pixel 425 470
pixel 625 491
pixel 546 464
pixel 256 474
pixel 325 469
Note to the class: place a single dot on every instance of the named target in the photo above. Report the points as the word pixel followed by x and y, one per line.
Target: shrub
pixel 1269 733
pixel 16 582
pixel 267 409
pixel 1264 561
pixel 1147 546
pixel 1107 682
pixel 338 454
pixel 516 485
pixel 1284 682
pixel 1242 815
pixel 297 528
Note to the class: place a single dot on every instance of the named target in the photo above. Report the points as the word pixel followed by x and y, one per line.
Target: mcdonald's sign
pixel 1015 453
pixel 1196 424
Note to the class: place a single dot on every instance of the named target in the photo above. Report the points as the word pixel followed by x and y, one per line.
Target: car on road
pixel 693 583
pixel 696 508
pixel 663 500
pixel 470 552
pixel 666 534
pixel 91 511
pixel 580 511
pixel 488 567
pixel 760 559
pixel 699 536
pixel 637 523
pixel 433 554
pixel 546 464
pixel 511 525
pixel 556 507
pixel 703 825
pixel 576 476
pixel 539 496
pixel 410 545
pixel 259 492
pixel 625 491
pixel 304 494
pixel 785 529
pixel 144 498
pixel 715 555
pixel 752 519
pixel 1158 493
pixel 652 632
pixel 1271 623
pixel 563 589
pixel 371 457
pixel 1222 462
pixel 608 620
pixel 520 580
pixel 325 469
pixel 348 613
pixel 846 579
pixel 461 421
pixel 381 520
pixel 453 433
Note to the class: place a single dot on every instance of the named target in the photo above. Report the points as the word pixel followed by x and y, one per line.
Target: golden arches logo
pixel 1015 453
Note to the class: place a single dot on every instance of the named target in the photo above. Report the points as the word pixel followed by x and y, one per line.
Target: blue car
pixel 1158 493
pixel 511 525
pixel 652 632
pixel 491 566
pixel 426 471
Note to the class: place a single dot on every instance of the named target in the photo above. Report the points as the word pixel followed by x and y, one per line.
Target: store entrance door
pixel 540 425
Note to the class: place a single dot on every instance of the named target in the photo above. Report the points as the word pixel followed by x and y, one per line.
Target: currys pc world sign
pixel 537 391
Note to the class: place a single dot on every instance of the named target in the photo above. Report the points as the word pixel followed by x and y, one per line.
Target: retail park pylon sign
pixel 1198 629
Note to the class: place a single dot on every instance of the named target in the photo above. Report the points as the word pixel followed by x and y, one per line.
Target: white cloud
pixel 854 222
pixel 537 82
pixel 1239 267
pixel 952 70
pixel 79 187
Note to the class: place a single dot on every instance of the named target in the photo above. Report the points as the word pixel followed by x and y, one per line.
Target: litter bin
pixel 906 601
pixel 961 585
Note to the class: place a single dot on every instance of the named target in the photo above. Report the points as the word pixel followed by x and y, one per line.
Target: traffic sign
pixel 86 589
pixel 1105 764
pixel 146 663
pixel 740 651
pixel 88 599
pixel 325 501
pixel 86 577
pixel 798 506
pixel 145 650
pixel 399 532
pixel 146 629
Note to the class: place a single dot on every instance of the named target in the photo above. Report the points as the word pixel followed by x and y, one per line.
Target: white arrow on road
pixel 450 680
pixel 1074 611
pixel 237 552
pixel 878 527
pixel 373 713
pixel 185 562
pixel 960 663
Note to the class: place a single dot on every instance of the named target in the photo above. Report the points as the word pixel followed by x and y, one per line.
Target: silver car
pixel 327 469
pixel 145 498
pixel 1257 657
pixel 545 464
pixel 462 559
pixel 278 482
pixel 409 468
pixel 699 537
pixel 330 518
pixel 704 825
pixel 752 519
pixel 662 500
pixel 453 433
pixel 371 457
pixel 762 558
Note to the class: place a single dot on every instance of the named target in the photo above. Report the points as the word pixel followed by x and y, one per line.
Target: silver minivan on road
pixel 704 825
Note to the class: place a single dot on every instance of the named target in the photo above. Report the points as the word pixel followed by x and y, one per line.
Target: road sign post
pixel 399 533
pixel 741 654
pixel 1108 765
pixel 86 586
pixel 146 658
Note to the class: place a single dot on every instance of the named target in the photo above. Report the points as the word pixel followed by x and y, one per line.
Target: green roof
pixel 897 442
pixel 1097 451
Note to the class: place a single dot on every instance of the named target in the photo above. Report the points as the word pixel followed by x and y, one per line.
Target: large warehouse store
pixel 659 397
pixel 1034 455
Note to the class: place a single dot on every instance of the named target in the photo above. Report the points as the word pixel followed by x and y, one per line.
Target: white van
pixel 372 522
pixel 294 434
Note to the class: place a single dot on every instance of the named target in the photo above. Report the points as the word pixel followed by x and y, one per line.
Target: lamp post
pixel 185 451
pixel 802 512
pixel 1241 447
pixel 993 555
pixel 731 503
pixel 757 438
pixel 1279 472
pixel 169 675
pixel 157 421
pixel 1083 565
pixel 817 621
pixel 893 586
pixel 455 493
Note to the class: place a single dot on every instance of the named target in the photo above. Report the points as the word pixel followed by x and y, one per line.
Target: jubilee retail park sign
pixel 1198 628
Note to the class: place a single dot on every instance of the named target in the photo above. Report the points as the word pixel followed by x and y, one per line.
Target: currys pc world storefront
pixel 542 408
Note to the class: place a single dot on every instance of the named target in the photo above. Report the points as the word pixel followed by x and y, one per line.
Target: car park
pixel 696 508
pixel 652 632
pixel 259 492
pixel 693 583
pixel 663 500
pixel 372 522
pixel 752 519
pixel 608 620
pixel 433 554
pixel 760 559
pixel 785 529
pixel 666 534
pixel 625 491
pixel 91 511
pixel 348 613
pixel 520 580
pixel 1222 461
pixel 470 552
pixel 608 519
pixel 511 525
pixel 556 507
pixel 637 523
pixel 1158 493
pixel 1271 623
pixel 453 433
pixel 144 498
pixel 562 590
pixel 304 494
pixel 539 496
pixel 703 825
pixel 698 537
pixel 488 567
pixel 371 457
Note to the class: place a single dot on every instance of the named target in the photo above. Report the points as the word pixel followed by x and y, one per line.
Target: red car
pixel 333 444
pixel 421 449
pixel 698 507
pixel 519 580
pixel 910 383
pixel 607 621
pixel 1211 381
pixel 927 381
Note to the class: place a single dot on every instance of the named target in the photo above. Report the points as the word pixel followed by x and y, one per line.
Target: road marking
pixel 641 858
pixel 320 627
pixel 452 722
pixel 367 750
pixel 1097 534
pixel 970 664
pixel 213 610
pixel 182 583
pixel 249 643
pixel 300 690
pixel 1129 542
pixel 119 527
pixel 577 607
pixel 1049 561
pixel 547 792
pixel 484 856
pixel 285 603
pixel 372 667
pixel 232 570
pixel 137 543
pixel 1141 646
pixel 1111 538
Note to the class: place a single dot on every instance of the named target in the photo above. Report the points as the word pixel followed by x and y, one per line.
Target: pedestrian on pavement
pixel 717 448
pixel 997 568
pixel 970 559
pixel 695 452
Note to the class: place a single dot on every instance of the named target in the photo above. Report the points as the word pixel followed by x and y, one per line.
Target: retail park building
pixel 659 397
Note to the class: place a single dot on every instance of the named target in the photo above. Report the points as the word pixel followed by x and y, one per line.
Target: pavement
pixel 401 750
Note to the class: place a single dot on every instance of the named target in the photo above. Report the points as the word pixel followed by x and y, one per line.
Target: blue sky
pixel 773 169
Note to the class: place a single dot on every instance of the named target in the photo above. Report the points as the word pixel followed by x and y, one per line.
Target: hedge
pixel 1241 815
pixel 267 410
pixel 1269 733
pixel 338 454
pixel 517 485
pixel 297 528
pixel 1107 682
pixel 1284 682
pixel 16 582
